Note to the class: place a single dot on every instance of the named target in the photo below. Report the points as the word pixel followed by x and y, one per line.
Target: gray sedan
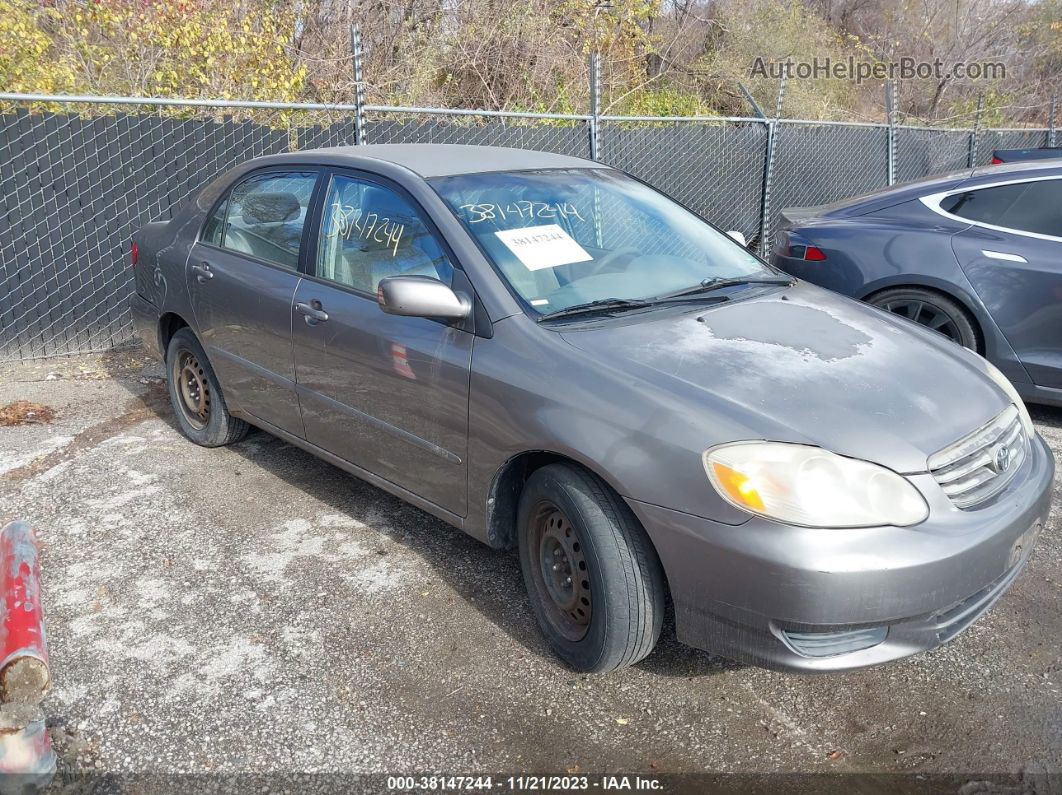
pixel 550 355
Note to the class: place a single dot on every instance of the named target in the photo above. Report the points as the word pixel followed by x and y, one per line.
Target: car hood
pixel 802 364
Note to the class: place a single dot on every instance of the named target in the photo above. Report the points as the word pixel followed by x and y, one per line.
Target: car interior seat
pixel 269 227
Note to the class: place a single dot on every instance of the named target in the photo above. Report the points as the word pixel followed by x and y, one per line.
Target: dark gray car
pixel 552 356
pixel 976 256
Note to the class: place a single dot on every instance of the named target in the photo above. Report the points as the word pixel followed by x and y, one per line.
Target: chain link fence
pixel 713 167
pixel 79 176
pixel 821 163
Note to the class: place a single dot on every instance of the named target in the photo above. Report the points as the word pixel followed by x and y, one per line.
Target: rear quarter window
pixel 1023 206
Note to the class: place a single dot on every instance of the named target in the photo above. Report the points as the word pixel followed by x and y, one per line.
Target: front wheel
pixel 196 394
pixel 932 310
pixel 595 582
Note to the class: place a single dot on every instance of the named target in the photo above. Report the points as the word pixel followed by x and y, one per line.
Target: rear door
pixel 387 393
pixel 242 275
pixel 1012 255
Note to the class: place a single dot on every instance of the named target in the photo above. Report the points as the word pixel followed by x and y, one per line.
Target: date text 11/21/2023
pixel 522 783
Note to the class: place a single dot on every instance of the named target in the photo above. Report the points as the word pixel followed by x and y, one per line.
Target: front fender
pixel 536 393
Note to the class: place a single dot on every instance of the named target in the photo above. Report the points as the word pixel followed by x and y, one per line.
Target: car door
pixel 1012 255
pixel 242 276
pixel 386 393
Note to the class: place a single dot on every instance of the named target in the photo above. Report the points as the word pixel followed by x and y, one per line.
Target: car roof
pixel 882 198
pixel 438 160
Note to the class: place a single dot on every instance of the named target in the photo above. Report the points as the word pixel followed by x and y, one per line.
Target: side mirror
pixel 739 237
pixel 421 296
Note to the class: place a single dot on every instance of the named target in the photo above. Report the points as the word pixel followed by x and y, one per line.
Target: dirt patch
pixel 136 410
pixel 23 412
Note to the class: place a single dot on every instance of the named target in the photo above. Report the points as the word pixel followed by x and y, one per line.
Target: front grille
pixel 981 464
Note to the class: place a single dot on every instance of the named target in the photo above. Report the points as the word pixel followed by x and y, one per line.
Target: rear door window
pixel 265 215
pixel 1024 206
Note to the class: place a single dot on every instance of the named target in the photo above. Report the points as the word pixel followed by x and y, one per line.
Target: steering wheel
pixel 609 258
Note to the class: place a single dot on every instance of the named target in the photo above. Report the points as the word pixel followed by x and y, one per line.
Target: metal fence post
pixel 1051 119
pixel 971 158
pixel 752 101
pixel 765 186
pixel 359 84
pixel 890 140
pixel 595 103
pixel 765 197
pixel 768 172
pixel 781 97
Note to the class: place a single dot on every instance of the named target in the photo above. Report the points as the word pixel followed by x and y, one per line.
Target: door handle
pixel 1004 256
pixel 202 273
pixel 312 312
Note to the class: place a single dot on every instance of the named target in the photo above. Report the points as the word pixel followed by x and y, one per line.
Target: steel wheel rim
pixel 193 388
pixel 561 574
pixel 925 314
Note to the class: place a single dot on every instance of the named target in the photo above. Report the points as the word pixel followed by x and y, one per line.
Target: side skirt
pixel 358 472
pixel 1043 395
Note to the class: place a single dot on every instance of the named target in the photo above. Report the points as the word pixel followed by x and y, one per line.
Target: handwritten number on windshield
pixel 523 209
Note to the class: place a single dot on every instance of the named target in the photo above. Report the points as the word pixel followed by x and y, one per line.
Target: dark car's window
pixel 1026 206
pixel 265 216
pixel 562 237
pixel 214 230
pixel 369 232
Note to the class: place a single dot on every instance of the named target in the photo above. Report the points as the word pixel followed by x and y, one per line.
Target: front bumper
pixel 743 591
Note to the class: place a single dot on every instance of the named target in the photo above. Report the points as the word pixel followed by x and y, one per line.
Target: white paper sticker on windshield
pixel 546 246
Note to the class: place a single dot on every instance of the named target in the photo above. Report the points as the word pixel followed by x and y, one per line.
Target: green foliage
pixel 29 62
pixel 663 102
pixel 777 31
pixel 996 111
pixel 167 48
pixel 657 58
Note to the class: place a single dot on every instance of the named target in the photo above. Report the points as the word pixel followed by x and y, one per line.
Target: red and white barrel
pixel 23 643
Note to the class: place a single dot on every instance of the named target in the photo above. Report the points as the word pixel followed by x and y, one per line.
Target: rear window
pixel 1024 206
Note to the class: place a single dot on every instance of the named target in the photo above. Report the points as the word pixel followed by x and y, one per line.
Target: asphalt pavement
pixel 252 609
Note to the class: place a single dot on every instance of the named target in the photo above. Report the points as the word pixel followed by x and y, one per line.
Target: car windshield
pixel 567 237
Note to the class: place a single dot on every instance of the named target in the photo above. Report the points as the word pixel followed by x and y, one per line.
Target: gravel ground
pixel 255 610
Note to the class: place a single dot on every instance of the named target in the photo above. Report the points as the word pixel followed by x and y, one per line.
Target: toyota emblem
pixel 1002 458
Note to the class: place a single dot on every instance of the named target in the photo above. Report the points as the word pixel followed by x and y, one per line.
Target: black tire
pixel 191 380
pixel 933 310
pixel 624 582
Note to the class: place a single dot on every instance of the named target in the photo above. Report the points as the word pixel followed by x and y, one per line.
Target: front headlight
pixel 812 487
pixel 1004 383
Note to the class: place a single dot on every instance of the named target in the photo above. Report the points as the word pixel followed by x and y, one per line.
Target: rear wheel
pixel 196 394
pixel 596 585
pixel 933 310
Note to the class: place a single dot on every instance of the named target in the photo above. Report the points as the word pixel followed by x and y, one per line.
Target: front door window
pixel 369 232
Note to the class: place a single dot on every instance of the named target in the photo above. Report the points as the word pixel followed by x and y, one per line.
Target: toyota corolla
pixel 552 356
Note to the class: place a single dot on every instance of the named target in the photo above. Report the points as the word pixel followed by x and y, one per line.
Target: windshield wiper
pixel 710 285
pixel 600 305
pixel 613 304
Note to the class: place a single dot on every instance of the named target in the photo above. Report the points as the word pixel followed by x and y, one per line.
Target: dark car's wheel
pixel 933 310
pixel 595 582
pixel 196 395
